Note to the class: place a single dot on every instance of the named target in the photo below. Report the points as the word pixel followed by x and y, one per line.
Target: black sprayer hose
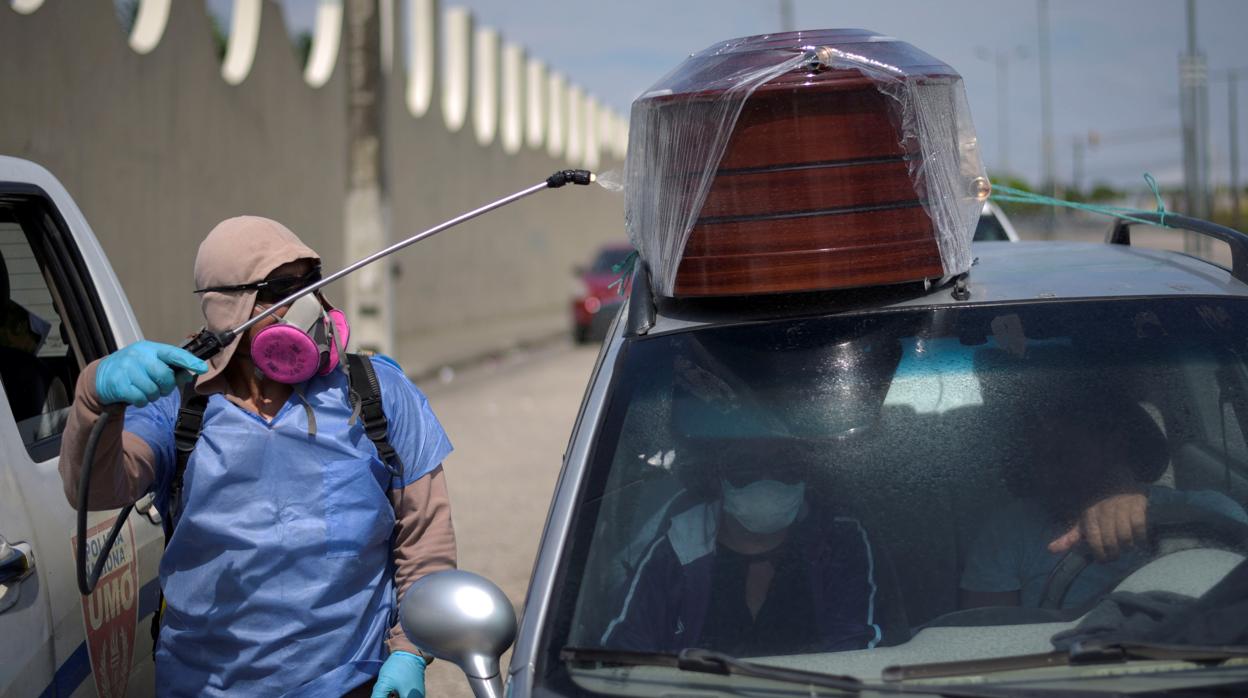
pixel 207 344
pixel 87 581
pixel 204 345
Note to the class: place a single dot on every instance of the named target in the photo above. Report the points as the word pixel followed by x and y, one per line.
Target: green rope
pixel 1161 205
pixel 624 268
pixel 1001 192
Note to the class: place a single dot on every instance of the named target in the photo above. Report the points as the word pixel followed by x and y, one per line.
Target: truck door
pixel 60 308
pixel 25 618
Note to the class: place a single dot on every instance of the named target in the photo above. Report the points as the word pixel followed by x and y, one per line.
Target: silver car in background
pixel 994 225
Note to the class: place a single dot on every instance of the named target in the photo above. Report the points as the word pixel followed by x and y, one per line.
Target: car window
pixel 989 229
pixel 874 466
pixel 39 363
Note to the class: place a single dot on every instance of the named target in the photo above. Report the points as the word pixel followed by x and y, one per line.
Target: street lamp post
pixel 1232 77
pixel 787 23
pixel 1001 59
pixel 1049 177
pixel 1078 146
pixel 1194 90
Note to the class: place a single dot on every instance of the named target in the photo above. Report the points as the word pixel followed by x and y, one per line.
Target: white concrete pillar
pixel 149 25
pixel 512 113
pixel 535 104
pixel 485 85
pixel 326 36
pixel 422 25
pixel 240 52
pixel 555 115
pixel 456 68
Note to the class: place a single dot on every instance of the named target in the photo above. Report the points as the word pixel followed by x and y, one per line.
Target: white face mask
pixel 765 506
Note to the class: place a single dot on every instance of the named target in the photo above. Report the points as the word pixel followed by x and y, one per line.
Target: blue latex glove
pixel 142 372
pixel 402 674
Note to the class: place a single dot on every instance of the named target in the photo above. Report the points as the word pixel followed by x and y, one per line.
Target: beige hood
pixel 240 250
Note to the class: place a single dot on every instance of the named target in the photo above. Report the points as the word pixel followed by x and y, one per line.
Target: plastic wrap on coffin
pixel 801 162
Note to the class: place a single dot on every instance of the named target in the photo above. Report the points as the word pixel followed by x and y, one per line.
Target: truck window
pixel 50 325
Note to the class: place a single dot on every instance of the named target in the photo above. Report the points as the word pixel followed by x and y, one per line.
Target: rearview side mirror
pixel 462 618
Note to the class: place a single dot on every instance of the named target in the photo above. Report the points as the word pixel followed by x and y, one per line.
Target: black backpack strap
pixel 367 389
pixel 185 435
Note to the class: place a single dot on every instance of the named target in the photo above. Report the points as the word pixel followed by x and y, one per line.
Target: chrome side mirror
pixel 462 618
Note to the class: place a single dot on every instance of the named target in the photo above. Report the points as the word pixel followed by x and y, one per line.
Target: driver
pixel 752 567
pixel 1094 487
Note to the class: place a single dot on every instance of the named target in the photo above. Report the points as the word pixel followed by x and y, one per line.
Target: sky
pixel 1114 62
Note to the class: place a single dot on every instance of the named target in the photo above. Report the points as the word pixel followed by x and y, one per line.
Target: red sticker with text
pixel 111 612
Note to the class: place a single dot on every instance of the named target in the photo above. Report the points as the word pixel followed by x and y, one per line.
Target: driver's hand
pixel 1110 526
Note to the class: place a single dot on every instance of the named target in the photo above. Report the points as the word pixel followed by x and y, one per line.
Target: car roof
pixel 1020 271
pixel 1003 272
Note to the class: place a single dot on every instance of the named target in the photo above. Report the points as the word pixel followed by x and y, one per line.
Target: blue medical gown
pixel 278 578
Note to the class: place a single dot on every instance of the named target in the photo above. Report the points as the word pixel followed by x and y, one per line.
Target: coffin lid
pixel 800 161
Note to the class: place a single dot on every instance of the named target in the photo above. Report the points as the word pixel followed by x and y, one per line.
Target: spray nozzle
pixel 208 344
pixel 563 177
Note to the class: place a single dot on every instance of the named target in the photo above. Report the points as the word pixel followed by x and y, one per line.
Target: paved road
pixel 510 422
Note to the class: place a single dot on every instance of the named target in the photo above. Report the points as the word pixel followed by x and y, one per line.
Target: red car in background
pixel 596 300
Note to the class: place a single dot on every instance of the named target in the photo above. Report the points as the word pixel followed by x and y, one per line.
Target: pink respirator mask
pixel 306 342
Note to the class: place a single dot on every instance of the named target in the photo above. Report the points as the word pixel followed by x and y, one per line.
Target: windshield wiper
pixel 1110 652
pixel 710 662
pixel 1080 654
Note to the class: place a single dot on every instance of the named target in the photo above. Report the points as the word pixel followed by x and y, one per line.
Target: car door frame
pixel 88 294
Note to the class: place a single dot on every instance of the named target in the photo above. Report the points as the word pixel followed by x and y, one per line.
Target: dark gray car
pixel 916 443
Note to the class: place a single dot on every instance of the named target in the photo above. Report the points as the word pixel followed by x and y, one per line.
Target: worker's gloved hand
pixel 142 372
pixel 402 674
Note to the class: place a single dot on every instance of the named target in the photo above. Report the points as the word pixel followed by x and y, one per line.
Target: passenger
pixel 31 387
pixel 752 568
pixel 22 329
pixel 1091 483
pixel 294 537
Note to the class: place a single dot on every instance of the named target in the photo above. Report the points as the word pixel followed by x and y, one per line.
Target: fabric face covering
pixel 764 506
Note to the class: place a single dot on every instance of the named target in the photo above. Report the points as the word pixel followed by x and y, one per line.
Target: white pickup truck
pixel 61 307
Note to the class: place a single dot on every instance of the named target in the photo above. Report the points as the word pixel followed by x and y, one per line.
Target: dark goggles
pixel 271 290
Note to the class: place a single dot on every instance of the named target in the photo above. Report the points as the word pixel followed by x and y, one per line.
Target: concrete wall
pixel 157 147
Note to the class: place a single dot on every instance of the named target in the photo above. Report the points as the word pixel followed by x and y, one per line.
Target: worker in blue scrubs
pixel 293 541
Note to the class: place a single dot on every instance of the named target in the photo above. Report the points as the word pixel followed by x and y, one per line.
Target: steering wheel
pixel 1172 526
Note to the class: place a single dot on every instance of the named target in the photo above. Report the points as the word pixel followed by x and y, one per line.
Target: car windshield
pixel 608 258
pixel 845 493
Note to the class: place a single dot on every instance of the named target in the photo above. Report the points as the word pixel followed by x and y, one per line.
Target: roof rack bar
pixel 1120 234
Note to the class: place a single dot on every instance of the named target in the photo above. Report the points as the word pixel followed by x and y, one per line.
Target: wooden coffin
pixel 814 189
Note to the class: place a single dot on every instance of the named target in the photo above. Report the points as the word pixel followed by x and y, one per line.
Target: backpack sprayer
pixel 207 344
